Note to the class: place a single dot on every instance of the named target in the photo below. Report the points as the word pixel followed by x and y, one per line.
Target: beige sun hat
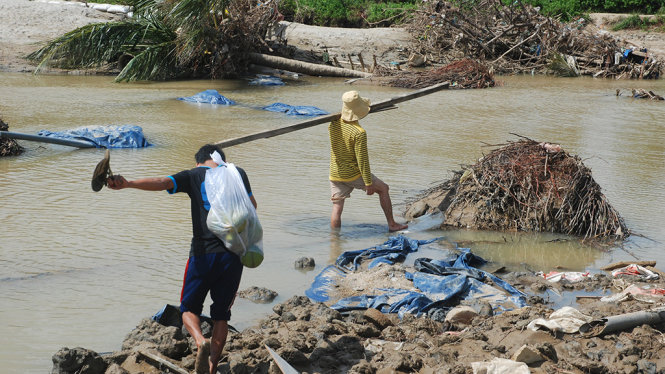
pixel 354 107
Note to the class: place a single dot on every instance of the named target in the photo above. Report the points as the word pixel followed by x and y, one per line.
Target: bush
pixel 347 13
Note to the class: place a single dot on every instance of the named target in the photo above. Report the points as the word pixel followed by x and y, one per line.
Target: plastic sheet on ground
pixel 636 270
pixel 644 294
pixel 266 80
pixel 568 276
pixel 208 97
pixel 123 136
pixel 295 110
pixel 500 366
pixel 566 319
pixel 438 284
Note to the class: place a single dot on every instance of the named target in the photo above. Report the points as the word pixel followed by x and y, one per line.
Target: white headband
pixel 217 158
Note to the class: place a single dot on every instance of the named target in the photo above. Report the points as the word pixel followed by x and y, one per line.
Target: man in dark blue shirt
pixel 210 267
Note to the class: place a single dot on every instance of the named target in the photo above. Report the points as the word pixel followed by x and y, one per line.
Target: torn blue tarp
pixel 439 284
pixel 395 249
pixel 114 136
pixel 208 97
pixel 293 110
pixel 266 80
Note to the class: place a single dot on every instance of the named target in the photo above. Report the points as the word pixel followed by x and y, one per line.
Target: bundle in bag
pixel 232 216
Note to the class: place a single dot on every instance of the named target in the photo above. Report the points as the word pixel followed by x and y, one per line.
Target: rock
pixel 77 360
pixel 527 355
pixel 304 263
pixel 380 320
pixel 167 340
pixel 258 294
pixel 461 315
pixel 115 369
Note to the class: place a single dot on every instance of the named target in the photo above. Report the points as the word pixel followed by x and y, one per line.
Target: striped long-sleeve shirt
pixel 348 152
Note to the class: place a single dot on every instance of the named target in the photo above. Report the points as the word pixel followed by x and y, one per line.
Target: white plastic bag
pixel 232 216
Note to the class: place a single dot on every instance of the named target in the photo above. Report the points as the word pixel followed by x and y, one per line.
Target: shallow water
pixel 82 268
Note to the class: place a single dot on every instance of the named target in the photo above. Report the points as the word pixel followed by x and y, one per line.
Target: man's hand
pixel 117 182
pixel 370 189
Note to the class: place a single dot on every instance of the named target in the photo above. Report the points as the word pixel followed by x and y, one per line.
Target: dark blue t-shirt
pixel 192 182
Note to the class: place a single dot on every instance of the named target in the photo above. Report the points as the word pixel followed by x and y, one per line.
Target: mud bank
pixel 472 338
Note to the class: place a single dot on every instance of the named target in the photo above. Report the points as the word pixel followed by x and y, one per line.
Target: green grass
pixel 119 2
pixel 635 22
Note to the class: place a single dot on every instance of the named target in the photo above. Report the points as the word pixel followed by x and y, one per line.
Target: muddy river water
pixel 81 268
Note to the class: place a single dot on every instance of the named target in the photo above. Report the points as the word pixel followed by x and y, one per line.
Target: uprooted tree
pixel 168 39
pixel 524 186
pixel 516 38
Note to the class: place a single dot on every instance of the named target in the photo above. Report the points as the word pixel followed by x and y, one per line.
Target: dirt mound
pixel 524 186
pixel 313 338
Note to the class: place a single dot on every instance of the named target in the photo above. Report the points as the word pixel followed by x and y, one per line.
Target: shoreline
pixel 22 33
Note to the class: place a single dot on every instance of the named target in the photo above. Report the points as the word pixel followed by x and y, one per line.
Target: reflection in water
pixel 111 262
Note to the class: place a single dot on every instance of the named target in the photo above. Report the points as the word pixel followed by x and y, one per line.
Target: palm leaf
pixel 156 62
pixel 101 43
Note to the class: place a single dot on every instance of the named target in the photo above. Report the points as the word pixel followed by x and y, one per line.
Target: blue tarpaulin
pixel 208 97
pixel 293 110
pixel 122 136
pixel 266 80
pixel 439 284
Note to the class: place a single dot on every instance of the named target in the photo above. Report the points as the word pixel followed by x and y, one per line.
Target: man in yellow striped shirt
pixel 349 161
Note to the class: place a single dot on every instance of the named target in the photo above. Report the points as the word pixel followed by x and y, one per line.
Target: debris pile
pixel 8 147
pixel 525 186
pixel 641 93
pixel 464 73
pixel 516 38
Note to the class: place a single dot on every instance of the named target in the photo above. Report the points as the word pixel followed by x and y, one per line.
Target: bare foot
pixel 202 365
pixel 397 227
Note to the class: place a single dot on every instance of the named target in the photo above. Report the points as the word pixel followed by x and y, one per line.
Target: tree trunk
pixel 305 67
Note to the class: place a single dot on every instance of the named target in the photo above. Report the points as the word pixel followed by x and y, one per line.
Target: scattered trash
pixel 569 276
pixel 567 320
pixel 644 94
pixel 518 38
pixel 208 97
pixel 500 366
pixel 645 294
pixel 636 270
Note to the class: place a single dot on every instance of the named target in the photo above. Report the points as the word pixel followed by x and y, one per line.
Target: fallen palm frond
pixel 529 186
pixel 464 73
pixel 561 66
pixel 167 39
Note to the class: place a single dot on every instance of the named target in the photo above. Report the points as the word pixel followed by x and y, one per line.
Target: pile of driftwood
pixel 8 147
pixel 516 38
pixel 527 186
pixel 464 73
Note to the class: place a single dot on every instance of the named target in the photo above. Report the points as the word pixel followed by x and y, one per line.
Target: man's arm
pixel 118 182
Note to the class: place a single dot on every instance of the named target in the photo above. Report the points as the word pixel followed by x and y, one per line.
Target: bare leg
pixel 386 205
pixel 219 333
pixel 192 323
pixel 336 215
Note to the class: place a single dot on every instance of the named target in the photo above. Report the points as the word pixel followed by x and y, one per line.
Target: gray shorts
pixel 342 190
